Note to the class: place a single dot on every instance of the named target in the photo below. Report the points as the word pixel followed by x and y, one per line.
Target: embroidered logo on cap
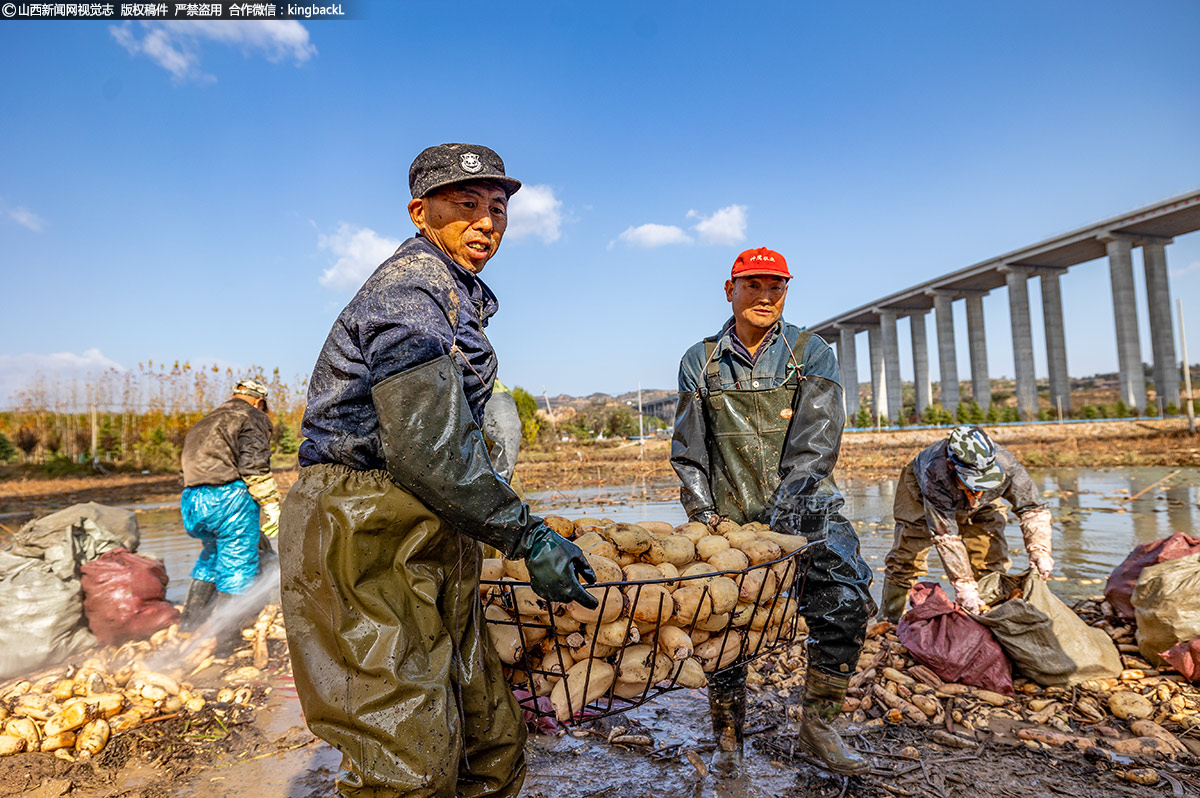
pixel 761 256
pixel 470 162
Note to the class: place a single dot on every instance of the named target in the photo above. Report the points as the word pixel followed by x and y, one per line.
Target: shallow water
pixel 1095 521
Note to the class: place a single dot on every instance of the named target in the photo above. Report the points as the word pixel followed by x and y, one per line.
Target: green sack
pixel 1166 603
pixel 1045 639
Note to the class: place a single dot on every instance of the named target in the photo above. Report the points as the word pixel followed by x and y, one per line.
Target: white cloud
pixel 176 45
pixel 358 250
pixel 27 218
pixel 1194 266
pixel 534 211
pixel 21 371
pixel 654 235
pixel 726 226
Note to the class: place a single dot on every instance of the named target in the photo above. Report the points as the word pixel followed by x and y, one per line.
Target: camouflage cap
pixel 446 164
pixel 251 388
pixel 973 456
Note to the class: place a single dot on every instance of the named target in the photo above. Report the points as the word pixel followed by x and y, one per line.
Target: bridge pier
pixel 848 361
pixel 1162 335
pixel 981 384
pixel 1056 343
pixel 943 311
pixel 879 400
pixel 1017 278
pixel 920 353
pixel 1129 349
pixel 891 363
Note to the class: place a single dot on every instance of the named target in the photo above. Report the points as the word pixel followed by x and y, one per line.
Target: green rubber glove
pixel 555 566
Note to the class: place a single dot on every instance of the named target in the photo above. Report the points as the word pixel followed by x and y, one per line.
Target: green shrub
pixel 61 466
pixel 862 419
pixel 156 453
pixel 8 452
pixel 527 410
pixel 932 415
pixel 1089 411
pixel 286 441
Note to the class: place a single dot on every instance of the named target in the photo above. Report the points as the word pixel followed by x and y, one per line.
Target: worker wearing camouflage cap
pixel 758 428
pixel 380 553
pixel 951 498
pixel 229 496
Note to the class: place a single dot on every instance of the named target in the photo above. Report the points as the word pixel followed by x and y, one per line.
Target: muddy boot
pixel 823 694
pixel 195 606
pixel 891 607
pixel 727 701
pixel 230 615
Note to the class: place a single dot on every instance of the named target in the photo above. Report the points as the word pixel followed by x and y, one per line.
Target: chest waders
pixel 747 432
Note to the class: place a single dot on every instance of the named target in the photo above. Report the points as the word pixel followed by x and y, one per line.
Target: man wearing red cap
pixel 757 431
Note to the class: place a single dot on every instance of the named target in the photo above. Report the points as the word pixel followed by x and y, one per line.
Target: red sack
pixel 124 597
pixel 1119 590
pixel 951 643
pixel 1185 658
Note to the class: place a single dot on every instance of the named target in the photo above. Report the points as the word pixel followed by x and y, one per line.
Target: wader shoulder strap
pixel 712 370
pixel 794 346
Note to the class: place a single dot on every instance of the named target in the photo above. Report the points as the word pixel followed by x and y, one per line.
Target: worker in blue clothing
pixel 229 496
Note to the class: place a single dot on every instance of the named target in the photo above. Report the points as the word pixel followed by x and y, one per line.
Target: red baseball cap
pixel 761 262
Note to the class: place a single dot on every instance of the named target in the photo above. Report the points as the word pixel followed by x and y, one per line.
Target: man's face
pixel 464 220
pixel 757 301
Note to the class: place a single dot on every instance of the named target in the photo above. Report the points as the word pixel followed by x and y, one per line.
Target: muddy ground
pixel 270 753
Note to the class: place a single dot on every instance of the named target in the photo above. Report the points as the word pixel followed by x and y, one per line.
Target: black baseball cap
pixel 446 164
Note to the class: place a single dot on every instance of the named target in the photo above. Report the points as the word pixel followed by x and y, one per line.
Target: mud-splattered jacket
pixel 415 307
pixel 944 499
pixel 230 443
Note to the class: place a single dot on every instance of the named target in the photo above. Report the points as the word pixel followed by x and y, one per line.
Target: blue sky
pixel 214 193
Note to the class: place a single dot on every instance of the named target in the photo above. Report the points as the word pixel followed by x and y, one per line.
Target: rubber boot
pixel 727 701
pixel 823 694
pixel 195 606
pixel 891 607
pixel 230 618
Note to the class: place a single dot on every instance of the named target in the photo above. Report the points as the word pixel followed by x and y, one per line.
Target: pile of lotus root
pixel 675 604
pixel 73 710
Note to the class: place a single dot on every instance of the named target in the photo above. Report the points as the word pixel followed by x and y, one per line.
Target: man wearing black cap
pixel 757 433
pixel 380 551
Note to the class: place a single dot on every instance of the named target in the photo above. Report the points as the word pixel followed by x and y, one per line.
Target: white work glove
pixel 967 593
pixel 957 565
pixel 269 523
pixel 1036 530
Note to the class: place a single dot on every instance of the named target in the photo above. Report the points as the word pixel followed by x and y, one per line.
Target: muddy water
pixel 1097 522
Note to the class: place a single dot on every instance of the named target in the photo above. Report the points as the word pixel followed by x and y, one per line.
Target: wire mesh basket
pixel 603 664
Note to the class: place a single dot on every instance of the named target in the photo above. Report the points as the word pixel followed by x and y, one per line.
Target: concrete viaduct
pixel 1152 228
